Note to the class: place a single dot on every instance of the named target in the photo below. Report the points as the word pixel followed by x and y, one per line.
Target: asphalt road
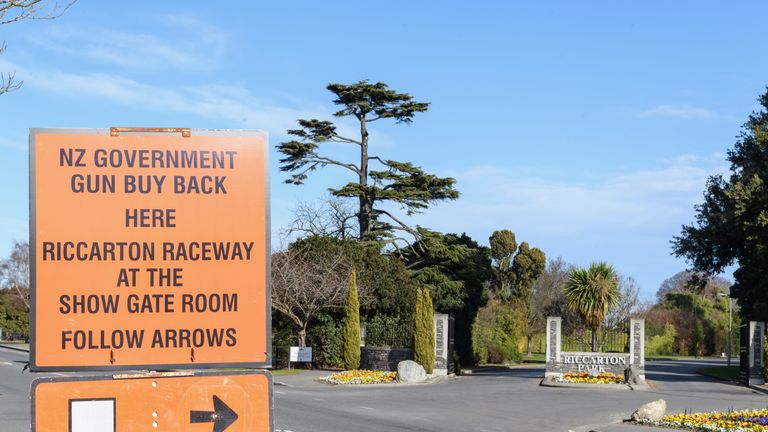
pixel 499 400
pixel 496 400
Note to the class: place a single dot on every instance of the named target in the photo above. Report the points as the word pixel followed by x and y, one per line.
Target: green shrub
pixel 496 332
pixel 424 332
pixel 324 336
pixel 351 351
pixel 662 344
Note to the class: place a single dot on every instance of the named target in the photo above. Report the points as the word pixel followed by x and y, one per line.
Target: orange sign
pixel 149 251
pixel 203 402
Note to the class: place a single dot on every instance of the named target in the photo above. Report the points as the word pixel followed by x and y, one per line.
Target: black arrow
pixel 222 416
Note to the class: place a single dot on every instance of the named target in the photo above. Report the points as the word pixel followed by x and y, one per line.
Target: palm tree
pixel 591 292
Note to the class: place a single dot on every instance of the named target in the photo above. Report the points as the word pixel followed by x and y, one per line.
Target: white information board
pixel 300 355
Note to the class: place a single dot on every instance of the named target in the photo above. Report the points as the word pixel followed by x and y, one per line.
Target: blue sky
pixel 588 128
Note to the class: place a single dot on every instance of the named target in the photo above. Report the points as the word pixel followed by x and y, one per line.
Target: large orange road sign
pixel 149 250
pixel 203 402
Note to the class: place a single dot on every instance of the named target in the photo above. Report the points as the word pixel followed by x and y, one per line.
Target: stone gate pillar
pixel 752 336
pixel 637 345
pixel 441 344
pixel 554 336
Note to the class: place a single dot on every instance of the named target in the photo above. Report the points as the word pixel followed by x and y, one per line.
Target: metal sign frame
pixel 107 132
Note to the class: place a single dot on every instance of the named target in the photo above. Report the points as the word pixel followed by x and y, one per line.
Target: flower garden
pixel 736 421
pixel 360 376
pixel 586 377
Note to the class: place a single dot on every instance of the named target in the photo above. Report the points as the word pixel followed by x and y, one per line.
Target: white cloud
pixel 229 102
pixel 233 103
pixel 645 202
pixel 13 144
pixel 679 111
pixel 627 219
pixel 187 43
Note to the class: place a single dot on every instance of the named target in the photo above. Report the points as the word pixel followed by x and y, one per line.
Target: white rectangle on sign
pixel 301 355
pixel 93 415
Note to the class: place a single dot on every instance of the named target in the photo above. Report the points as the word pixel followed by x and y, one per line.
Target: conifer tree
pixel 375 180
pixel 424 332
pixel 351 352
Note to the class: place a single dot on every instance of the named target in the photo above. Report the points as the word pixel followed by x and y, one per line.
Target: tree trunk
pixel 302 337
pixel 365 215
pixel 595 332
pixel 530 338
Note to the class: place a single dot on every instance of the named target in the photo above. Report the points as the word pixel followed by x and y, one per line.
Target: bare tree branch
pixel 307 280
pixel 339 138
pixel 17 10
pixel 333 217
pixel 8 81
pixel 403 226
pixel 14 272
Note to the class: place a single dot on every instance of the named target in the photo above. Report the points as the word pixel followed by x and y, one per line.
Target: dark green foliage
pixel 14 292
pixel 14 317
pixel 445 263
pixel 514 272
pixel 399 182
pixel 423 331
pixel 363 98
pixel 503 246
pixel 406 184
pixel 732 224
pixel 391 288
pixel 325 338
pixel 456 269
pixel 528 265
pixel 351 350
pixel 496 333
pixel 697 338
pixel 514 269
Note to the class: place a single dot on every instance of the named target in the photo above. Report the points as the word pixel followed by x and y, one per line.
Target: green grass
pixel 667 357
pixel 534 358
pixel 679 357
pixel 285 372
pixel 728 373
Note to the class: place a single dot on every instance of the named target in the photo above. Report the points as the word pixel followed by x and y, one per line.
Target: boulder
pixel 651 411
pixel 408 371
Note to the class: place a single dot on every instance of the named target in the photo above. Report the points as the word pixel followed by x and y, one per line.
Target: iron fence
pixel 388 334
pixel 614 338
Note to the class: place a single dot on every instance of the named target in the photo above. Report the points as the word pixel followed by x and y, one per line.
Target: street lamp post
pixel 730 323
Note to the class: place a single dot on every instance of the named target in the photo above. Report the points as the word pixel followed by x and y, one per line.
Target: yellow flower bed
pixel 601 378
pixel 361 376
pixel 737 421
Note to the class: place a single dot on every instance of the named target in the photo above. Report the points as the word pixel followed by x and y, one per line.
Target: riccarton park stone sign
pixel 595 362
pixel 631 365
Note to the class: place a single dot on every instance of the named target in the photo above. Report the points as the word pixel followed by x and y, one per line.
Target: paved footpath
pixel 498 400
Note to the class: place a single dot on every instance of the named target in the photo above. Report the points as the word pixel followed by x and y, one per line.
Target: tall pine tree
pixel 375 180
